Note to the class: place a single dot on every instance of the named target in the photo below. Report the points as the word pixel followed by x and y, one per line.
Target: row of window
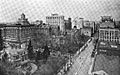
pixel 111 32
pixel 109 37
pixel 59 17
pixel 54 21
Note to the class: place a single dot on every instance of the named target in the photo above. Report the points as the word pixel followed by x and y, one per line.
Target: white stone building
pixel 56 20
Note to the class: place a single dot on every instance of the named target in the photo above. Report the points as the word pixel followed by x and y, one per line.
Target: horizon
pixel 91 10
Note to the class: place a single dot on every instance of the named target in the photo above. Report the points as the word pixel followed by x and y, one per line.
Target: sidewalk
pixel 92 65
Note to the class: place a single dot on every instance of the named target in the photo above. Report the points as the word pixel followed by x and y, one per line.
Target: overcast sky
pixel 37 9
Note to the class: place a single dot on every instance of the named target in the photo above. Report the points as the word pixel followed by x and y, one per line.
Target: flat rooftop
pixel 108 64
pixel 108 45
pixel 107 59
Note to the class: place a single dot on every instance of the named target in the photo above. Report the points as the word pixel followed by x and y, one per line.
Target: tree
pixel 39 56
pixel 1 41
pixel 50 30
pixel 3 71
pixel 4 57
pixel 46 52
pixel 30 51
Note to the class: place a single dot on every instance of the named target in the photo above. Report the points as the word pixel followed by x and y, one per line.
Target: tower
pixel 22 16
pixel 23 20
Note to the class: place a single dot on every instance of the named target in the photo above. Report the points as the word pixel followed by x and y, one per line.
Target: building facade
pixel 107 21
pixel 90 24
pixel 19 32
pixel 86 31
pixel 68 24
pixel 109 34
pixel 56 20
pixel 78 22
pixel 107 30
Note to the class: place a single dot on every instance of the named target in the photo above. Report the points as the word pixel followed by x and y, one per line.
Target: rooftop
pixel 17 25
pixel 108 28
pixel 108 45
pixel 107 24
pixel 108 64
pixel 14 51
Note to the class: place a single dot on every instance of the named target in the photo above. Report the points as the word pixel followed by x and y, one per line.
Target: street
pixel 82 63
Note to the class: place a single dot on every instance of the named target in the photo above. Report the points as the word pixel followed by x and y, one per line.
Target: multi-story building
pixel 109 34
pixel 56 20
pixel 78 22
pixel 68 24
pixel 90 24
pixel 106 59
pixel 107 21
pixel 19 32
pixel 107 30
pixel 86 31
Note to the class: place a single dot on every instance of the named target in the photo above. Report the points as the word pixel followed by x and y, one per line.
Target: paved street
pixel 82 63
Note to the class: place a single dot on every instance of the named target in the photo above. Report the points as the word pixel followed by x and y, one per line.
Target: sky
pixel 10 10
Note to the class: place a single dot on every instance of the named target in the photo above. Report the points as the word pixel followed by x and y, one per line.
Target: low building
pixel 107 59
pixel 15 54
pixel 86 31
pixel 106 65
pixel 106 47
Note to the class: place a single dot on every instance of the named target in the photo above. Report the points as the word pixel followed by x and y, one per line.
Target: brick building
pixel 19 32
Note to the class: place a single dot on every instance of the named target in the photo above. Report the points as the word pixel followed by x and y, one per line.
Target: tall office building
pixel 56 20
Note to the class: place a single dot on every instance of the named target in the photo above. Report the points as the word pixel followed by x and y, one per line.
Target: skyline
pixel 38 9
